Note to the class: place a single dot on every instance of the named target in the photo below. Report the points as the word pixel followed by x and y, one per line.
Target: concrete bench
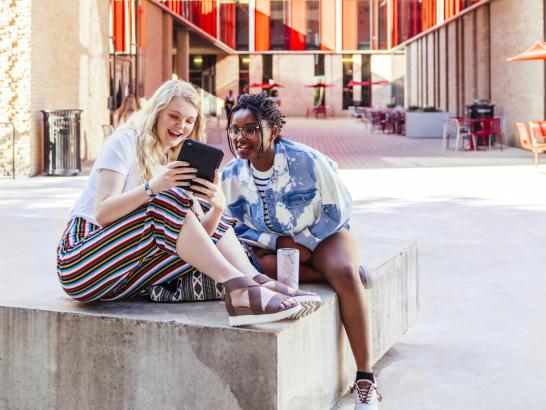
pixel 58 354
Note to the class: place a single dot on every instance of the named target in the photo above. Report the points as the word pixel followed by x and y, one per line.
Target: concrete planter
pixel 425 124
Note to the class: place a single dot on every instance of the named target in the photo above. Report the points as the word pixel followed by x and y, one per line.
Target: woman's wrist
pixel 148 189
pixel 152 184
pixel 217 209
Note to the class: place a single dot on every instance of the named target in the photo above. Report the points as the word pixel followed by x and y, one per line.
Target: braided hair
pixel 263 108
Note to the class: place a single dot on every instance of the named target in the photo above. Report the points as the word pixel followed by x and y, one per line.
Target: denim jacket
pixel 305 197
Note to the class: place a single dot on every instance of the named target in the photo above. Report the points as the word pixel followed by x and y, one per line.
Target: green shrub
pixel 430 109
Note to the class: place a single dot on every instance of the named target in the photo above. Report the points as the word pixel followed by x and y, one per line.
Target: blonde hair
pixel 144 122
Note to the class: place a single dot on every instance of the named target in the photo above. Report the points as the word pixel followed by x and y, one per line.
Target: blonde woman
pixel 129 106
pixel 135 226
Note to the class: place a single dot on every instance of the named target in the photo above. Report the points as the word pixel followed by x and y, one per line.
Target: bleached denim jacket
pixel 305 197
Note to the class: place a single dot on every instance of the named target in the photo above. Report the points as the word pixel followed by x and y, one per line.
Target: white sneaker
pixel 366 395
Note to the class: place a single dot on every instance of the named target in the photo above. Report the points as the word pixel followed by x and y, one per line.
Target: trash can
pixel 62 142
pixel 480 109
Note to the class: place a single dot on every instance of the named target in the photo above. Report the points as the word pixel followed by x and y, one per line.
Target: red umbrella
pixel 367 83
pixel 536 52
pixel 265 85
pixel 319 85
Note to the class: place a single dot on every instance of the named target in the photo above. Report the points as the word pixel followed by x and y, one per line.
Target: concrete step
pixel 137 355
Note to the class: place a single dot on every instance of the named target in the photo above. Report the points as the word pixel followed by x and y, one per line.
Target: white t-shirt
pixel 119 154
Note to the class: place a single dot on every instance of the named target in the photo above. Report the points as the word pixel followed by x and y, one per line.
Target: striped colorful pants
pixel 139 250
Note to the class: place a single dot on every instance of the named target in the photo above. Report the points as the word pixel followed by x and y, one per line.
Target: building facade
pixel 442 53
pixel 464 59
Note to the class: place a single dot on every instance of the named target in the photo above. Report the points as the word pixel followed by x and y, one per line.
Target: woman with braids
pixel 135 225
pixel 288 195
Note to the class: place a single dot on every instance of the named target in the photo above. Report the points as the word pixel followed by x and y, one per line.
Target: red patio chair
pixel 527 142
pixel 484 132
pixel 496 131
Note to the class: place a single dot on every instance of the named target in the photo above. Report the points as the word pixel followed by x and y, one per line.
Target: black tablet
pixel 205 158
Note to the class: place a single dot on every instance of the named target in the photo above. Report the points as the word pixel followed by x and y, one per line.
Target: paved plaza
pixel 479 219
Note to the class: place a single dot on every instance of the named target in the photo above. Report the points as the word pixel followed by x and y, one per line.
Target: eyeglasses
pixel 248 131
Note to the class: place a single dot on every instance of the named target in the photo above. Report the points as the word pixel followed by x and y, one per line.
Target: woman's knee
pixel 343 278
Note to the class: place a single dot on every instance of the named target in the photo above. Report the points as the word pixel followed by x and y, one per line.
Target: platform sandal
pixel 309 301
pixel 241 315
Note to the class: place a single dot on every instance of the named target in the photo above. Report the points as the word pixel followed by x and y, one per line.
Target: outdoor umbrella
pixel 536 52
pixel 366 83
pixel 319 85
pixel 266 86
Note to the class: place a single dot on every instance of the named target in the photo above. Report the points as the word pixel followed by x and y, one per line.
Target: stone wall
pixel 15 86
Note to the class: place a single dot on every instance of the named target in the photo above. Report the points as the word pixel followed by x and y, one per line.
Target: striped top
pixel 261 179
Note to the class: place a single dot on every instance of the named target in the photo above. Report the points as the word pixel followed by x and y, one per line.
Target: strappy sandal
pixel 309 301
pixel 241 315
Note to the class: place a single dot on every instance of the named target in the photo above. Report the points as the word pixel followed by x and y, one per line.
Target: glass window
pixel 244 76
pixel 319 65
pixel 267 68
pixel 312 21
pixel 366 100
pixel 241 18
pixel 382 25
pixel 227 22
pixel 277 25
pixel 364 26
pixel 347 61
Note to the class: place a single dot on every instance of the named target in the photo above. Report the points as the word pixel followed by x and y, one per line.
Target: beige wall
pixel 517 88
pixel 293 72
pixel 255 68
pixel 382 69
pixel 471 63
pixel 482 51
pixel 430 65
pixel 59 60
pixel 157 56
pixel 452 69
pixel 442 70
pixel 357 76
pixel 15 30
pixel 412 75
pixel 70 68
pixel 227 75
pixel 333 74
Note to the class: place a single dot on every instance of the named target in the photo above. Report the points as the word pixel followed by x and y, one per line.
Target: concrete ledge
pixel 135 355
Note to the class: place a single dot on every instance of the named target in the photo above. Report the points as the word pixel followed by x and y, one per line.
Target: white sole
pixel 265 318
pixel 309 304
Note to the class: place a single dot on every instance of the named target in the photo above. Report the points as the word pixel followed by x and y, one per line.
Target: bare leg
pixel 337 259
pixel 195 247
pixel 230 247
pixel 232 250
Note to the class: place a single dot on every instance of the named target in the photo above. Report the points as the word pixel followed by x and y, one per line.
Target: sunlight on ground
pixel 430 184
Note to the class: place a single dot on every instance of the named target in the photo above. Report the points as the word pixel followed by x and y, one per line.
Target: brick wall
pixel 15 85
